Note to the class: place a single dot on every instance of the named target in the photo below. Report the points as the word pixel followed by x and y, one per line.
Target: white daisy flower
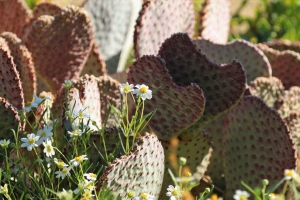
pixel 80 187
pixel 48 150
pixel 75 133
pixel 30 141
pixel 91 176
pixel 241 195
pixel 63 172
pixel 126 87
pixel 144 196
pixel 81 114
pixel 143 91
pixel 4 143
pixel 4 189
pixel 77 160
pixel 290 174
pixel 60 164
pixel 173 192
pixel 44 133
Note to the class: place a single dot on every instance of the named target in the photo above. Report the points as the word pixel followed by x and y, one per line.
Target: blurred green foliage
pixel 31 3
pixel 274 19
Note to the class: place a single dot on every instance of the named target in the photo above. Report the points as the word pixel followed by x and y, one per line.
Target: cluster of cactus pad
pixel 232 109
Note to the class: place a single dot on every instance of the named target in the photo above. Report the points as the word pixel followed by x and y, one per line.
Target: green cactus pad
pixel 158 20
pixel 60 45
pixel 10 87
pixel 255 63
pixel 14 14
pixel 256 145
pixel 94 65
pixel 177 107
pixel 214 20
pixel 285 65
pixel 223 86
pixel 290 101
pixel 215 169
pixel 197 152
pixel 84 94
pixel 282 45
pixel 140 171
pixel 268 89
pixel 113 22
pixel 24 64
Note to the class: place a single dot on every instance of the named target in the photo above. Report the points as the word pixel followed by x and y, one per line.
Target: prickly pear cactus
pixel 158 20
pixel 14 14
pixel 290 101
pixel 255 63
pixel 214 20
pixel 113 22
pixel 24 64
pixel 140 171
pixel 60 45
pixel 285 65
pixel 282 45
pixel 268 89
pixel 10 87
pixel 178 107
pixel 223 85
pixel 293 121
pixel 197 152
pixel 257 145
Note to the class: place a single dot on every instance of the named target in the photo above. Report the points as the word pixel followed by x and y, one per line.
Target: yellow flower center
pixel 243 197
pixel 93 175
pixel 64 170
pixel 48 148
pixel 60 164
pixel 42 96
pixel 81 114
pixel 84 198
pixel 27 103
pixel 143 89
pixel 43 134
pixel 75 132
pixel 175 192
pixel 79 158
pixel 214 197
pixel 31 141
pixel 126 88
pixel 289 173
pixel 144 196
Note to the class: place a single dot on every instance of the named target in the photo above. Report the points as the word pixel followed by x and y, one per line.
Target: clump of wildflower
pixel 91 176
pixel 143 91
pixel 48 150
pixel 4 143
pixel 44 133
pixel 241 195
pixel 126 87
pixel 77 160
pixel 174 192
pixel 30 141
pixel 144 196
pixel 68 84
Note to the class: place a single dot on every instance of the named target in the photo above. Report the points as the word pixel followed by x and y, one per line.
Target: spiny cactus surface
pixel 140 171
pixel 214 20
pixel 10 87
pixel 24 64
pixel 158 20
pixel 290 101
pixel 282 45
pixel 255 63
pixel 223 86
pixel 257 145
pixel 177 107
pixel 60 45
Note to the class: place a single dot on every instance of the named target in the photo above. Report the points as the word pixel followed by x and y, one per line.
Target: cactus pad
pixel 268 89
pixel 293 121
pixel 60 45
pixel 255 63
pixel 257 145
pixel 158 20
pixel 282 45
pixel 178 107
pixel 14 14
pixel 285 65
pixel 24 64
pixel 223 86
pixel 214 20
pixel 112 23
pixel 140 171
pixel 10 87
pixel 94 65
pixel 290 101
pixel 197 152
